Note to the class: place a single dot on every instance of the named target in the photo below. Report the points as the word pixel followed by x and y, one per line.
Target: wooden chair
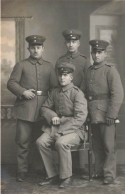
pixel 86 146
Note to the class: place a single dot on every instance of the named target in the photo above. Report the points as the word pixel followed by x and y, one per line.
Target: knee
pixel 59 144
pixel 109 147
pixel 39 142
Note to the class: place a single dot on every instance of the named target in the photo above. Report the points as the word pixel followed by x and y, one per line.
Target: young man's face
pixel 72 45
pixel 98 56
pixel 36 51
pixel 65 79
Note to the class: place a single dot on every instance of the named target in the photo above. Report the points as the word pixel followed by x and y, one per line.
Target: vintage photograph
pixel 62 96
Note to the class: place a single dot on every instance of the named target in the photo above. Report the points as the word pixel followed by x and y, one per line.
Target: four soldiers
pixel 30 81
pixel 65 109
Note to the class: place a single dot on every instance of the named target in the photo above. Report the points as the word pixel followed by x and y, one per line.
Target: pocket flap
pixel 20 102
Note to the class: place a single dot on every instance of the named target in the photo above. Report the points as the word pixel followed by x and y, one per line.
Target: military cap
pixel 72 34
pixel 98 44
pixel 35 39
pixel 65 68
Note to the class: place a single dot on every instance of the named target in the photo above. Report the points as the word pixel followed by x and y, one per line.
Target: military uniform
pixel 104 92
pixel 29 74
pixel 79 60
pixel 69 104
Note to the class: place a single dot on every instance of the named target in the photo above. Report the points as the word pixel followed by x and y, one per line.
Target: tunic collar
pixel 94 66
pixel 69 86
pixel 34 61
pixel 73 55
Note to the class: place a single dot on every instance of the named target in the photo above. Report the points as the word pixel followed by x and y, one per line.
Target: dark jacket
pixel 80 62
pixel 31 74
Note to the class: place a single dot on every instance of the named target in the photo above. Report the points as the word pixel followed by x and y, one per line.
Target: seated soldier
pixel 65 111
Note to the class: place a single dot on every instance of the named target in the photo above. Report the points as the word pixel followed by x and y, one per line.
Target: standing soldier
pixel 72 42
pixel 104 92
pixel 30 81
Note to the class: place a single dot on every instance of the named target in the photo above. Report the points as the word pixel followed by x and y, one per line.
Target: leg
pixel 23 137
pixel 44 146
pixel 63 145
pixel 36 164
pixel 98 149
pixel 108 134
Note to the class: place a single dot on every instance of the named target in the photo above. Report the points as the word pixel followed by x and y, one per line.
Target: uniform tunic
pixel 79 61
pixel 69 104
pixel 31 74
pixel 104 92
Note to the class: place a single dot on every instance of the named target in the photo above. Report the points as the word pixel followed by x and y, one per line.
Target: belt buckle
pixel 39 93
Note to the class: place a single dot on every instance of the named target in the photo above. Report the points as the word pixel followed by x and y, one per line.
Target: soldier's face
pixel 98 56
pixel 36 51
pixel 65 79
pixel 72 45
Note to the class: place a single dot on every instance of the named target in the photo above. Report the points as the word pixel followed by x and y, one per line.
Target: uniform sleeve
pixel 53 79
pixel 87 65
pixel 116 93
pixel 46 108
pixel 13 83
pixel 79 116
pixel 56 65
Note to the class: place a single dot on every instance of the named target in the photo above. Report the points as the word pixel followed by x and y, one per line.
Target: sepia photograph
pixel 62 96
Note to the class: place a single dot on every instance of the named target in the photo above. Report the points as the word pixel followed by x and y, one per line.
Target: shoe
pixel 49 181
pixel 108 180
pixel 65 183
pixel 21 176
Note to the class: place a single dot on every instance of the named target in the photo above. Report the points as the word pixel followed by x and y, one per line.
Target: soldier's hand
pixel 56 121
pixel 29 94
pixel 57 135
pixel 110 121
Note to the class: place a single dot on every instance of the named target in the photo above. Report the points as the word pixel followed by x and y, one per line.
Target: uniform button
pixel 90 97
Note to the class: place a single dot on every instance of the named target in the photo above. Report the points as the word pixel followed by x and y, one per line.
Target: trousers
pixel 104 147
pixel 62 145
pixel 26 135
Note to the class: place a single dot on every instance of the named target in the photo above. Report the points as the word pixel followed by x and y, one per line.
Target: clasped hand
pixel 29 94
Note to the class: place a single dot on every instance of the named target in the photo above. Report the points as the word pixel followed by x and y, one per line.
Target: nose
pixel 97 54
pixel 71 44
pixel 35 49
pixel 62 76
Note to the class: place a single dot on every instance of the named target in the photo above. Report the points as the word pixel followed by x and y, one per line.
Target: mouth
pixel 62 82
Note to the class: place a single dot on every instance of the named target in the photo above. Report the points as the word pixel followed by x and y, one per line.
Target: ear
pixel 71 76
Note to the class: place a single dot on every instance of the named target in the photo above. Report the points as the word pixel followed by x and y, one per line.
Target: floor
pixel 79 186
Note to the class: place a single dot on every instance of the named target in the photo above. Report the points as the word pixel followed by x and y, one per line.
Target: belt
pixel 98 97
pixel 41 93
